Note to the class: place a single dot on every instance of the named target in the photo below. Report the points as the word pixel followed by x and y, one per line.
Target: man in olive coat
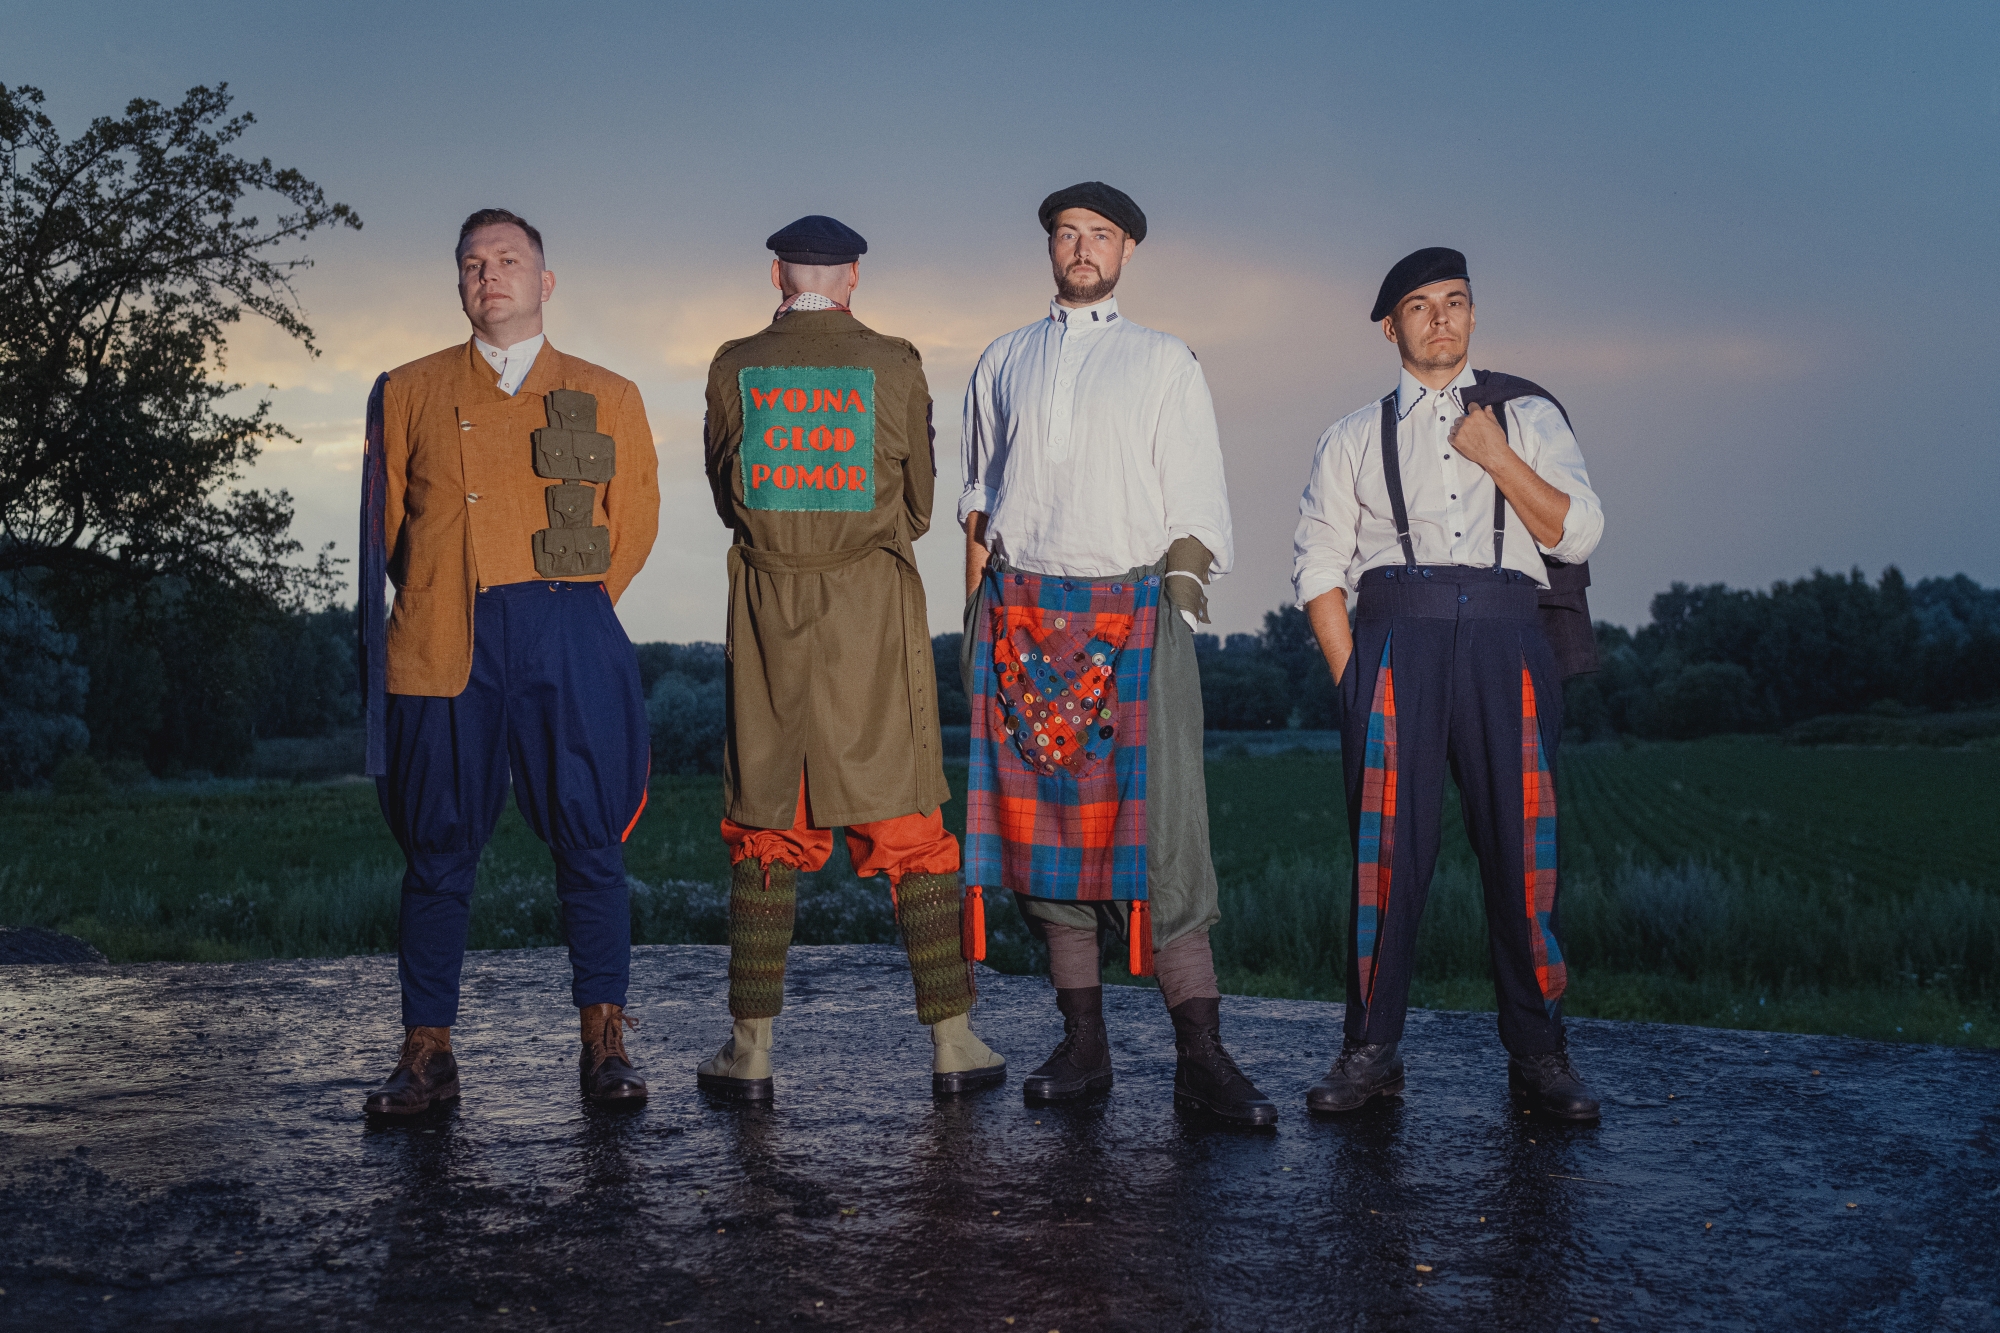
pixel 818 446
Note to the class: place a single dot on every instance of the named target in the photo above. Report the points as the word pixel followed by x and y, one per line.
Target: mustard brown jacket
pixel 829 641
pixel 463 502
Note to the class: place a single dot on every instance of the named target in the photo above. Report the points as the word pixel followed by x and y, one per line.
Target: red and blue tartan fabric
pixel 1060 812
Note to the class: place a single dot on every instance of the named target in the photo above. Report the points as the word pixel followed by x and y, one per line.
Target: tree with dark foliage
pixel 125 256
pixel 124 259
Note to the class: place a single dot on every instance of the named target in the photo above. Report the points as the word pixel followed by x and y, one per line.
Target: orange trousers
pixel 905 845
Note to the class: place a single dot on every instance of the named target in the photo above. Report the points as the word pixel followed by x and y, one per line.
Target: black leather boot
pixel 426 1074
pixel 602 1067
pixel 1361 1072
pixel 1550 1083
pixel 1081 1062
pixel 1206 1079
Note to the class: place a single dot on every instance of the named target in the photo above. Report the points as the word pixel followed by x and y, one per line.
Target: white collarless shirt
pixel 1090 444
pixel 1347 526
pixel 512 363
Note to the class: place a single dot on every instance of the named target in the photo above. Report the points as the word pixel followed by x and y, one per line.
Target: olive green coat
pixel 829 639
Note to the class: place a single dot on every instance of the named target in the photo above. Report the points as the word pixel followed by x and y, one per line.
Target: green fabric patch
pixel 808 437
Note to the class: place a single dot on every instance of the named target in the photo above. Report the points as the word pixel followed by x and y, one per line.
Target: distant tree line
pixel 1719 659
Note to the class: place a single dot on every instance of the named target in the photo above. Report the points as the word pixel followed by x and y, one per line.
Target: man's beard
pixel 1073 290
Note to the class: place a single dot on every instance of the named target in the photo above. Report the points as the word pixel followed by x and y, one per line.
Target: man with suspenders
pixel 1440 513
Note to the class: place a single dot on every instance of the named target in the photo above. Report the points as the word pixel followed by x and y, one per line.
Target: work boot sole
pixel 624 1094
pixel 1535 1101
pixel 968 1080
pixel 446 1092
pixel 1043 1089
pixel 1253 1115
pixel 737 1089
pixel 1324 1104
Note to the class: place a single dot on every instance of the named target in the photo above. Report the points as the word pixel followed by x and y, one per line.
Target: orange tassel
pixel 1141 964
pixel 972 925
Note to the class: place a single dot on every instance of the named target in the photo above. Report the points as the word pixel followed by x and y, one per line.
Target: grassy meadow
pixel 1733 882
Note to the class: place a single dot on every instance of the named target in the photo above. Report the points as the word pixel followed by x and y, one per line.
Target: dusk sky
pixel 1751 246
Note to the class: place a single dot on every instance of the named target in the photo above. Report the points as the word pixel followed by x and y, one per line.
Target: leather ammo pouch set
pixel 1563 607
pixel 570 450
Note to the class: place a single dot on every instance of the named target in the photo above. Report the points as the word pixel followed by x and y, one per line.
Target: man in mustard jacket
pixel 510 493
pixel 819 457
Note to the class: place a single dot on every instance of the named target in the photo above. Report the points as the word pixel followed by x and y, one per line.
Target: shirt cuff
pixel 975 500
pixel 1573 548
pixel 1314 584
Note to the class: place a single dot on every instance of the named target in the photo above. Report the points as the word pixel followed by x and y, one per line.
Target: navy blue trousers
pixel 1451 672
pixel 553 703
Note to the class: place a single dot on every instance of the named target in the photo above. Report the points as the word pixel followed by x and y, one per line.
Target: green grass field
pixel 1733 882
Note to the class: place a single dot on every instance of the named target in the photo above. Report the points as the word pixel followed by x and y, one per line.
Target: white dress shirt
pixel 1346 526
pixel 1090 445
pixel 514 362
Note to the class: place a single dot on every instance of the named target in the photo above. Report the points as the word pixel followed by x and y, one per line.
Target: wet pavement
pixel 182 1146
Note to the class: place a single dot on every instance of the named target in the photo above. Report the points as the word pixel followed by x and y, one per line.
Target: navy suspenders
pixel 1392 473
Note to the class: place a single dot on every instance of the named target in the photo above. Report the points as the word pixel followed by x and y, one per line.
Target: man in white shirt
pixel 1095 510
pixel 1432 514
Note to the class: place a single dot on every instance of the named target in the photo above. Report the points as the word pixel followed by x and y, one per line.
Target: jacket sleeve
pixel 632 496
pixel 396 461
pixel 721 434
pixel 920 472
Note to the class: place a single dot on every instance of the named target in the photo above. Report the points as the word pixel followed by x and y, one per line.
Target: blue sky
pixel 1751 246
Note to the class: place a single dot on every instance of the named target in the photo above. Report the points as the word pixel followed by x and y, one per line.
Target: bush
pixel 41 719
pixel 687 718
pixel 1706 699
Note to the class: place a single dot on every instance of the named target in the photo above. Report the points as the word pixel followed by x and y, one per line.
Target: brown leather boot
pixel 603 1068
pixel 426 1074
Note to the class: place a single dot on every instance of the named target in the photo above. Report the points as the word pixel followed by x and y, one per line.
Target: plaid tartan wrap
pixel 1075 827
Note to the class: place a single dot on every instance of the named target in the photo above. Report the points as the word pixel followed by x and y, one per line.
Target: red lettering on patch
pixel 799 438
pixel 843 439
pixel 821 438
pixel 782 477
pixel 759 474
pixel 814 477
pixel 765 397
pixel 796 400
pixel 857 479
pixel 854 400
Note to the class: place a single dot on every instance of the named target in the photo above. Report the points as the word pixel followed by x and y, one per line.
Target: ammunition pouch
pixel 570 450
pixel 571 547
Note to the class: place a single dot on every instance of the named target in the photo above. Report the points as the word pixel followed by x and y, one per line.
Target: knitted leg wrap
pixel 763 901
pixel 928 907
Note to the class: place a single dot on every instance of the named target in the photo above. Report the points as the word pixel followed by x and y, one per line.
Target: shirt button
pixel 1463 598
pixel 472 498
pixel 1458 534
pixel 1454 497
pixel 465 425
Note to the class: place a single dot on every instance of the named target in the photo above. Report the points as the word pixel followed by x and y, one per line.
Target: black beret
pixel 1432 264
pixel 1100 199
pixel 817 239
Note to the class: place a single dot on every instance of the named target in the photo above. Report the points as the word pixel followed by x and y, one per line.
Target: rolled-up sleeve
pixel 1553 452
pixel 977 452
pixel 1188 453
pixel 1324 543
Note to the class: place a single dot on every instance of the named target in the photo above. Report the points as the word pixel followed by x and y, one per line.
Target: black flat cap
pixel 1421 269
pixel 1100 199
pixel 817 239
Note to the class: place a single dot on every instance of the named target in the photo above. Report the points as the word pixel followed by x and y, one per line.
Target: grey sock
pixel 1072 956
pixel 1185 969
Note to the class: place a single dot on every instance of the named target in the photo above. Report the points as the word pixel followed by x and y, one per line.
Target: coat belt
pixel 812 562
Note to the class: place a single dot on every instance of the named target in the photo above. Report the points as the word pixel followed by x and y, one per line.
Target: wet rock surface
pixel 37 944
pixel 183 1147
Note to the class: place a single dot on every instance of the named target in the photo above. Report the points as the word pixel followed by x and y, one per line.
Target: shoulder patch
pixel 808 438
